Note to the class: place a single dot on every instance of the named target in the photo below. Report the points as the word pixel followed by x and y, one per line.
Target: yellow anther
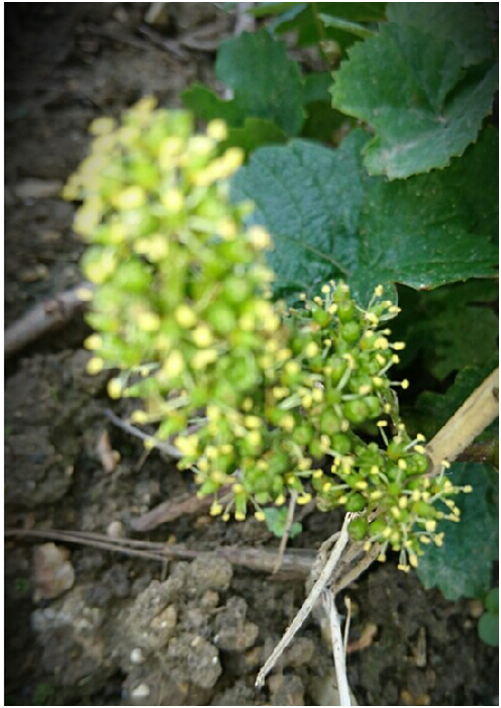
pixel 114 388
pixel 148 321
pixel 185 316
pixel 95 365
pixel 381 343
pixel 311 350
pixel 304 499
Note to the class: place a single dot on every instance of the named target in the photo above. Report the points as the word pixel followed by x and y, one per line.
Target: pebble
pixel 115 529
pixel 137 656
pixel 141 691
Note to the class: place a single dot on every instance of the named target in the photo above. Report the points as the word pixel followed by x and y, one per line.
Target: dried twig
pixel 296 564
pixel 322 581
pixel 338 652
pixel 171 510
pixel 285 537
pixel 45 317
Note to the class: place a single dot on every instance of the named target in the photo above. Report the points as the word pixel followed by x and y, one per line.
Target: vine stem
pixel 471 419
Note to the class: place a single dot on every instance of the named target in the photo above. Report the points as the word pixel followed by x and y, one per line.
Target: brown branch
pixel 296 564
pixel 171 510
pixel 45 317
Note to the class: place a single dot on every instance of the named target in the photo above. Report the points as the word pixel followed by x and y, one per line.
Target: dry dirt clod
pixel 53 572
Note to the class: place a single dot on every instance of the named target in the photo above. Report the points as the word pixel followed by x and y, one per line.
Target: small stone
pixel 166 620
pixel 141 691
pixel 137 656
pixel 115 529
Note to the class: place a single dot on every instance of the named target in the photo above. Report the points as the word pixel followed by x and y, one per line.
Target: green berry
pixel 350 332
pixel 341 444
pixel 356 411
pixel 358 528
pixel 329 423
pixel 356 502
pixel 345 311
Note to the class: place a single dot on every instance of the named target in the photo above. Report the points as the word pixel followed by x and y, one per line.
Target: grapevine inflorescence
pixel 261 399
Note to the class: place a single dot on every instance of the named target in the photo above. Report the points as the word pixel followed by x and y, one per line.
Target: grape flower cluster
pixel 262 400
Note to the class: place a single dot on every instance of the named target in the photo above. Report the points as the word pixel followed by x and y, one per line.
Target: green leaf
pixel 463 23
pixel 268 9
pixel 266 83
pixel 276 521
pixel 432 229
pixel 355 28
pixel 452 327
pixel 207 105
pixel 462 567
pixel 492 601
pixel 328 219
pixel 316 86
pixel 310 198
pixel 488 629
pixel 254 133
pixel 305 19
pixel 267 88
pixel 411 88
pixel 322 122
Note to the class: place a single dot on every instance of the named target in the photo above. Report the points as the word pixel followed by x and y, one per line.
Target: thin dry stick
pixel 309 603
pixel 172 510
pixel 288 525
pixel 166 448
pixel 45 317
pixel 338 651
pixel 296 564
pixel 347 604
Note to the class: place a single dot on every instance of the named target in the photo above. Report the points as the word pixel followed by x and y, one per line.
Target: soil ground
pixel 133 631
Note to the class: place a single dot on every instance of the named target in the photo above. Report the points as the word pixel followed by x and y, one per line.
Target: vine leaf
pixel 266 84
pixel 465 24
pixel 328 218
pixel 316 22
pixel 412 89
pixel 462 567
pixel 310 199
